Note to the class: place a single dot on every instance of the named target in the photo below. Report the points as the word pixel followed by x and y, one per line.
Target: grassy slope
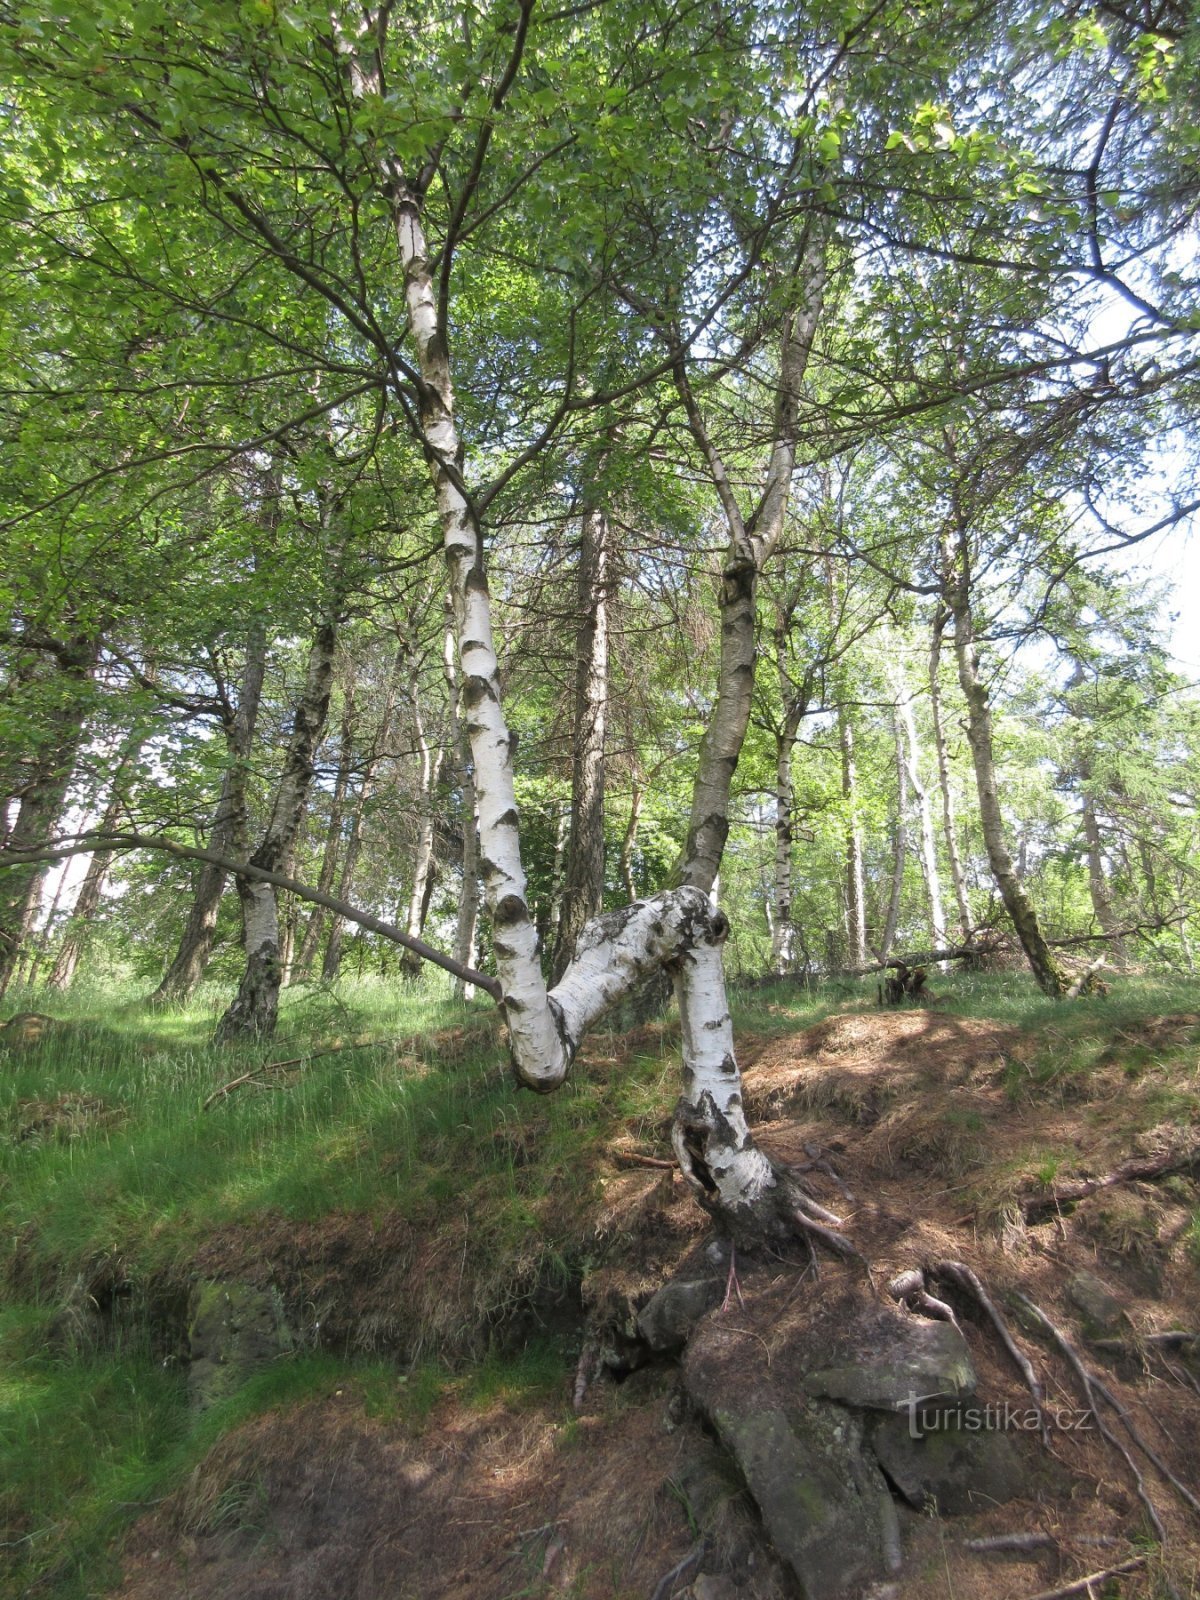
pixel 113 1177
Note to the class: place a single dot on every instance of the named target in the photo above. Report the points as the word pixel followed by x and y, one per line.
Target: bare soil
pixel 904 1123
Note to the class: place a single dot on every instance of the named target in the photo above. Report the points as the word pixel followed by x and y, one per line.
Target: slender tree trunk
pixel 43 793
pixel 87 902
pixel 255 1007
pixel 228 835
pixel 468 901
pixel 751 543
pixel 783 932
pixel 899 838
pixel 629 839
pixel 424 861
pixel 1093 838
pixel 929 861
pixel 958 881
pixel 583 888
pixel 957 579
pixel 856 911
pixel 1102 903
pixel 366 790
pixel 333 838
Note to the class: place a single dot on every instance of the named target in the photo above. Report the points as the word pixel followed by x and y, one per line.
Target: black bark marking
pixel 508 819
pixel 509 911
pixel 729 1067
pixel 476 690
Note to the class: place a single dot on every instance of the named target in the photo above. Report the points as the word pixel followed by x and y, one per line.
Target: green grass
pixel 112 1173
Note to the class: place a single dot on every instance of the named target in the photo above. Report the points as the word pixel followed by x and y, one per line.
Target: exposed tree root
pixel 909 1287
pixel 664 1585
pixel 1095 1391
pixel 1139 1169
pixel 958 1273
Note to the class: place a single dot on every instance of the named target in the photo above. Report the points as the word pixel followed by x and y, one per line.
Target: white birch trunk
pixel 468 903
pixel 929 861
pixel 583 885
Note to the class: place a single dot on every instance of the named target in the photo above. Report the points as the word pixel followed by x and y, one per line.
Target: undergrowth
pixel 111 1170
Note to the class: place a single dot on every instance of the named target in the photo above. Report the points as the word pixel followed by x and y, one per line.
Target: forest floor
pixel 419 1439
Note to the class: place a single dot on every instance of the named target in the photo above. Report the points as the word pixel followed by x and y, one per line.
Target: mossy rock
pixel 234 1329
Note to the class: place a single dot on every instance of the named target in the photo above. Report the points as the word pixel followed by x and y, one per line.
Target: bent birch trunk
pixel 678 930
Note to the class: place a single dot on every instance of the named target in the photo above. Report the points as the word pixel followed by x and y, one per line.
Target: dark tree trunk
pixel 228 836
pixel 956 568
pixel 255 1008
pixel 315 926
pixel 583 886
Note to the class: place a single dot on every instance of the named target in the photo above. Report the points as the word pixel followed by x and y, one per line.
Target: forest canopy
pixel 787 394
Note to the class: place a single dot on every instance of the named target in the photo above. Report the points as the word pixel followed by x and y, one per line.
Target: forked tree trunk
pixel 583 885
pixel 957 581
pixel 752 541
pixel 958 881
pixel 255 1008
pixel 678 930
pixel 229 836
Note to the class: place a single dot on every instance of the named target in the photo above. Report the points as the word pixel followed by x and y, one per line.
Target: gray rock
pixel 820 1497
pixel 668 1318
pixel 953 1465
pixel 895 1361
pixel 1101 1308
pixel 709 1586
pixel 233 1330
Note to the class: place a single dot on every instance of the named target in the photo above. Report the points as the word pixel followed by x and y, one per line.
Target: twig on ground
pixel 1138 1169
pixel 585 1371
pixel 281 1066
pixel 732 1285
